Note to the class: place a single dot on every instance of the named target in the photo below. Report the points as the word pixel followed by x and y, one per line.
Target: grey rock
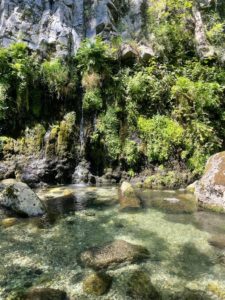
pixel 18 197
pixel 128 52
pixel 62 24
pixel 146 52
pixel 203 47
pixel 82 174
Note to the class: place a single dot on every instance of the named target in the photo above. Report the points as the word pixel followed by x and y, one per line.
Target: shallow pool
pixel 186 261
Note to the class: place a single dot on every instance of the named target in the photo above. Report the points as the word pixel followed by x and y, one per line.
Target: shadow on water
pixel 191 263
pixel 210 222
pixel 18 279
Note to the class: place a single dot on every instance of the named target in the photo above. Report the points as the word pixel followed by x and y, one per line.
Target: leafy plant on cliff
pixel 92 100
pixel 163 137
pixel 168 22
pixel 58 78
pixel 195 99
pixel 92 56
pixel 108 127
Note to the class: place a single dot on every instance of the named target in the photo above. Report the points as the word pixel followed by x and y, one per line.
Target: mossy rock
pixel 169 180
pixel 191 187
pixel 8 145
pixel 212 207
pixel 31 142
pixel 58 200
pixel 139 286
pixel 45 294
pixel 97 284
pixel 66 130
pixel 51 143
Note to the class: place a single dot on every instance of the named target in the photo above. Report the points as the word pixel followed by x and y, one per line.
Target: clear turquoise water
pixel 181 258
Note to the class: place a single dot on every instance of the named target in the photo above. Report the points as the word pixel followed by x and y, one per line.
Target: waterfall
pixel 82 129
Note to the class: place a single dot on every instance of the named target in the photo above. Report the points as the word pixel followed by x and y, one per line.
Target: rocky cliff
pixel 60 25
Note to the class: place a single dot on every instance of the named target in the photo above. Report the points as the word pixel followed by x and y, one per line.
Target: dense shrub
pixel 57 77
pixel 92 100
pixel 162 135
pixel 169 109
pixel 108 127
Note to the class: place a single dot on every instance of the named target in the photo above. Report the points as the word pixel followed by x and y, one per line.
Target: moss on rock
pixel 97 284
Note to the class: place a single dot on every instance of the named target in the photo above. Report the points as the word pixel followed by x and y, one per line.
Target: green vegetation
pixel 162 136
pixel 168 111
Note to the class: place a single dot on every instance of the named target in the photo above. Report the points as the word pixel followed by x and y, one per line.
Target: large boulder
pixel 18 197
pixel 210 190
pixel 113 253
pixel 127 197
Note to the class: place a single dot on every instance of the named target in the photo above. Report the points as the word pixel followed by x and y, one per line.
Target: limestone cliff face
pixel 60 25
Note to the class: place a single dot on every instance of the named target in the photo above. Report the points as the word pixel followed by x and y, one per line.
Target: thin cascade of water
pixel 82 129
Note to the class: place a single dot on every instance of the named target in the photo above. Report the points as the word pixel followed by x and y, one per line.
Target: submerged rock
pixel 139 286
pixel 9 222
pixel 18 197
pixel 217 241
pixel 127 197
pixel 210 190
pixel 97 284
pixel 45 294
pixel 58 200
pixel 169 201
pixel 193 295
pixel 116 252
